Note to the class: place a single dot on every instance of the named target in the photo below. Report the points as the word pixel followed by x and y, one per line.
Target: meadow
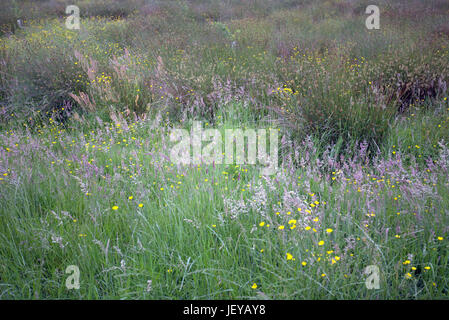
pixel 86 178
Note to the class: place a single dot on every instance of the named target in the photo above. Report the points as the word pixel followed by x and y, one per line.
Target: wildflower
pixel 289 256
pixel 440 238
pixel 262 224
pixel 329 230
pixel 254 286
pixel 114 207
pixel 281 227
pixel 321 243
pixel 140 205
pixel 304 263
pixel 406 262
pixel 427 268
pixel 130 197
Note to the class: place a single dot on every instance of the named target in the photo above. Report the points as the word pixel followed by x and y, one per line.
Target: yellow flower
pixel 304 263
pixel 281 227
pixel 254 286
pixel 321 243
pixel 293 221
pixel 289 256
pixel 329 230
pixel 130 197
pixel 114 207
pixel 406 262
pixel 140 205
pixel 427 267
pixel 262 224
pixel 440 238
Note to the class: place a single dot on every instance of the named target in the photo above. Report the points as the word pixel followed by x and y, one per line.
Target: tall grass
pixel 85 178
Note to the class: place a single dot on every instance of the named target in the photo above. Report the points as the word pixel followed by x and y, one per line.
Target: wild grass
pixel 85 119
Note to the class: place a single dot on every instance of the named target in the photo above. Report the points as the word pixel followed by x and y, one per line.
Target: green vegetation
pixel 85 175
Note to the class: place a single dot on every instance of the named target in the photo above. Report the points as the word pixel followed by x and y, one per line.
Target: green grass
pixel 191 241
pixel 85 179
